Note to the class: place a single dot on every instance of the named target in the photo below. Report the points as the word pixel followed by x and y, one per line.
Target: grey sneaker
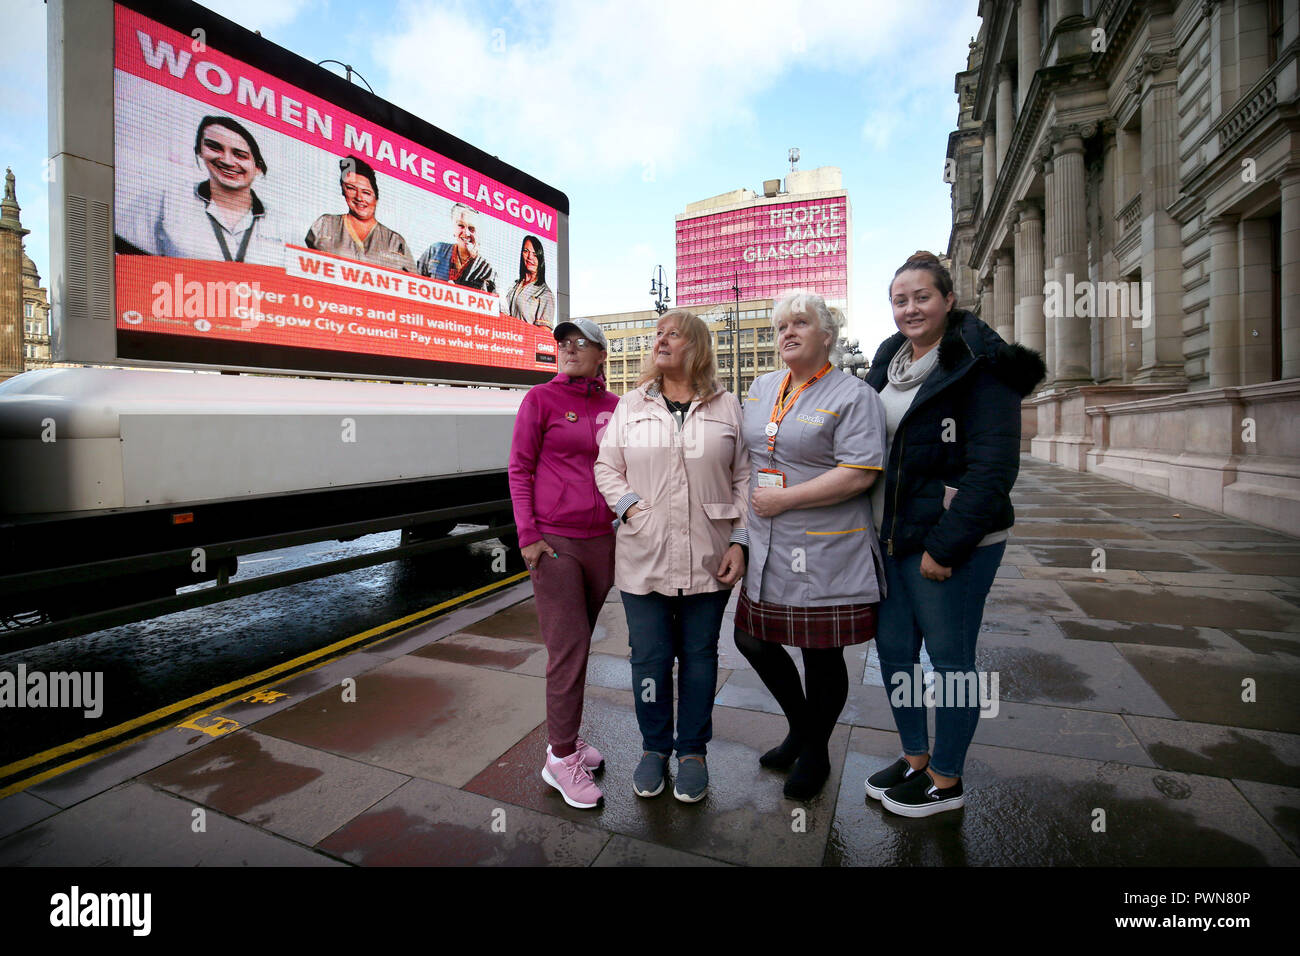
pixel 692 778
pixel 648 778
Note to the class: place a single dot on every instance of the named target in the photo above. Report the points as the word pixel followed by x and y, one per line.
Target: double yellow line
pixel 224 694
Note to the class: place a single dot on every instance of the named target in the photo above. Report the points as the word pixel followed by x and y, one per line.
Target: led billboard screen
pixel 259 221
pixel 770 248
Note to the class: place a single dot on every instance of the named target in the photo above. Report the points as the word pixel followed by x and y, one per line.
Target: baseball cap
pixel 589 329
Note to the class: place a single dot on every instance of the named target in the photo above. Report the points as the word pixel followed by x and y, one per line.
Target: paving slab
pixel 269 700
pixel 20 810
pixel 1108 531
pixel 1017 555
pixel 1280 806
pixel 610 635
pixel 517 623
pixel 497 653
pixel 457 620
pixel 1263 561
pixel 428 824
pixel 136 825
pixel 108 771
pixel 423 718
pixel 1107 576
pixel 625 851
pixel 1156 635
pixel 1061 730
pixel 297 792
pixel 1208 686
pixel 1081 674
pixel 743 819
pixel 1047 598
pixel 1219 607
pixel 1286 643
pixel 1118 559
pixel 1219 751
pixel 1034 809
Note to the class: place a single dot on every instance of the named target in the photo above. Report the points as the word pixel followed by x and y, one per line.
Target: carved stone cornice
pixel 1149 62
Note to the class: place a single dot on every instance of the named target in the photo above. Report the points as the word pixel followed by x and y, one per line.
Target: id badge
pixel 771 478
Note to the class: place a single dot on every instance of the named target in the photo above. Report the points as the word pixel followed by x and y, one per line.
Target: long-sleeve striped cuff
pixel 627 501
pixel 740 536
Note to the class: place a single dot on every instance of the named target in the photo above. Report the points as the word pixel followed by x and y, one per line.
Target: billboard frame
pixel 81 176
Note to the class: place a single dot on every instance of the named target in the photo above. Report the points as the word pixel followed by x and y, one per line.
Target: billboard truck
pixel 218 204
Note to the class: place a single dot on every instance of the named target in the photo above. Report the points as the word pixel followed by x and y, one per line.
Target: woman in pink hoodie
pixel 566 536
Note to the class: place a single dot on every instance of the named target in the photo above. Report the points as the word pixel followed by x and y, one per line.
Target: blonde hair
pixel 701 370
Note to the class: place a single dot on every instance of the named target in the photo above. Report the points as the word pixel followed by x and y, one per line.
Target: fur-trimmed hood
pixel 968 339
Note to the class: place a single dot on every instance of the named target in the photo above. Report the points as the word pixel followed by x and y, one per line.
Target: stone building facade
pixel 1126 200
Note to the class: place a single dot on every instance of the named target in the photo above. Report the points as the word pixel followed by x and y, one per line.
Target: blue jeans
pixel 659 629
pixel 947 614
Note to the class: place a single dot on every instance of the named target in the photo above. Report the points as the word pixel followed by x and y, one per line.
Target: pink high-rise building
pixel 796 238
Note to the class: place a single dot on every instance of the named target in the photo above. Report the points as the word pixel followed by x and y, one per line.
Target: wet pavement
pixel 1146 652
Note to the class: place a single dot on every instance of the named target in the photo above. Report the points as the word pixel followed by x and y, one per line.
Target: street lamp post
pixel 659 289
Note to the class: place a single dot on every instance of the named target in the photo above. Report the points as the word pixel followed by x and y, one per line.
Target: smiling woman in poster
pixel 357 234
pixel 530 298
pixel 219 218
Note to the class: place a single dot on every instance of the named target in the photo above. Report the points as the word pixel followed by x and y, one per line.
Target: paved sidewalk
pixel 1122 735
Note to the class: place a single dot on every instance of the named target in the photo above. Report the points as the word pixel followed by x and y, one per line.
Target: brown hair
pixel 700 367
pixel 923 261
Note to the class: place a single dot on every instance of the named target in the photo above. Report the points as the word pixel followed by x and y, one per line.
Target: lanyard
pixel 782 408
pixel 221 239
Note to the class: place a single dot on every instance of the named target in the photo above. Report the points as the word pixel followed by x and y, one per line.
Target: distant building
pixel 24 304
pixel 11 282
pixel 36 319
pixel 799 237
pixel 1126 200
pixel 631 342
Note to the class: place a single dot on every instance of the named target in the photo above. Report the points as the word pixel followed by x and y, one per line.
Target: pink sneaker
pixel 572 778
pixel 591 757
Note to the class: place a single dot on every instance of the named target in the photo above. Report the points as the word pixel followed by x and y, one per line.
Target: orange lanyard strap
pixel 782 408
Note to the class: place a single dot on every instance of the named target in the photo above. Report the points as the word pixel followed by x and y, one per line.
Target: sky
pixel 633 110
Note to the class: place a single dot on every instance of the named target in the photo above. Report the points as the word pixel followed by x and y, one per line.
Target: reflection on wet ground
pixel 1144 716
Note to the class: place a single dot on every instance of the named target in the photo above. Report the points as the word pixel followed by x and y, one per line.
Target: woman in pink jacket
pixel 565 535
pixel 674 467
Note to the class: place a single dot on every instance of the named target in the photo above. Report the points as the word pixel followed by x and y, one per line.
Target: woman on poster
pixel 530 299
pixel 221 218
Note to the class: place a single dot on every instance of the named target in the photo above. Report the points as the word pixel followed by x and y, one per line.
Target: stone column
pixel 1290 273
pixel 990 166
pixel 1029 275
pixel 987 308
pixel 1028 46
pixel 1006 115
pixel 1049 258
pixel 1224 317
pixel 1112 326
pixel 11 282
pixel 1073 338
pixel 1255 269
pixel 1161 322
pixel 1004 297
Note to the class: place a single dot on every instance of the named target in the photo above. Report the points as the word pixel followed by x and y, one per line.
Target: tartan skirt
pixel 813 627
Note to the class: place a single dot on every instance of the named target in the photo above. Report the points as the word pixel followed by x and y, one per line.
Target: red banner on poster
pixel 344 306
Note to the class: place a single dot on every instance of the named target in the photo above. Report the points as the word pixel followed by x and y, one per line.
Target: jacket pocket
pixel 638 521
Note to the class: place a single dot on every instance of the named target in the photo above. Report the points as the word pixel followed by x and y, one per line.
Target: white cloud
pixel 594 90
pixel 263 15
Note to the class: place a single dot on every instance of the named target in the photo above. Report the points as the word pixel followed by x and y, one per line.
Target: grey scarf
pixel 904 373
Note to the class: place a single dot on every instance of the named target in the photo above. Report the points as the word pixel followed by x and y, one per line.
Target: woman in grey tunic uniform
pixel 817 439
